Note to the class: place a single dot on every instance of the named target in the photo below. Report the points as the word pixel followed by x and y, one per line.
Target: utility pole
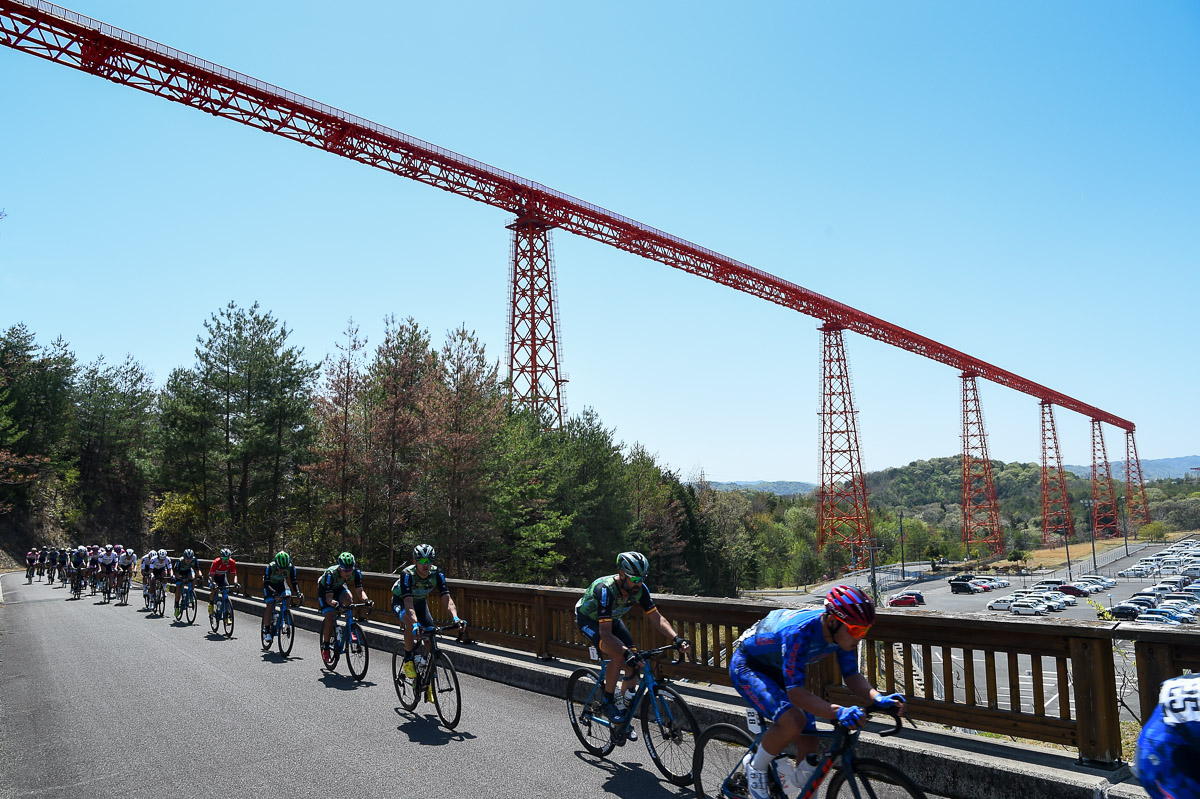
pixel 902 575
pixel 872 549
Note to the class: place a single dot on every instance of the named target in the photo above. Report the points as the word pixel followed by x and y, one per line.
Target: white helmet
pixel 162 553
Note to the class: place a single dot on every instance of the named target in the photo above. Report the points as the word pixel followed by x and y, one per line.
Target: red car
pixel 1073 590
pixel 903 601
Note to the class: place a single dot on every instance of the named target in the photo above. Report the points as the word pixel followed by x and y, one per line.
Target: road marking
pixel 1 590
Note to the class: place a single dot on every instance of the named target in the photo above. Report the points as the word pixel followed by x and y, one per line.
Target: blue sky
pixel 1016 180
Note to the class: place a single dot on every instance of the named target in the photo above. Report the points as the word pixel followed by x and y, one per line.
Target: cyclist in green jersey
pixel 409 594
pixel 333 591
pixel 278 574
pixel 598 616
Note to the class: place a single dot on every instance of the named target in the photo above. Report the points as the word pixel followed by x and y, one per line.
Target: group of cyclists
pixel 767 666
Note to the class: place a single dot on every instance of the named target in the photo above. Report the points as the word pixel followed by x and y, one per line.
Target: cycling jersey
pixel 184 571
pixel 412 585
pixel 42 557
pixel 332 581
pixel 158 564
pixel 603 600
pixel 1168 750
pixel 78 561
pixel 108 558
pixel 277 578
pixel 126 560
pixel 786 641
pixel 223 568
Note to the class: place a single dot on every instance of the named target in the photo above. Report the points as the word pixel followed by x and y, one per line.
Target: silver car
pixel 1028 607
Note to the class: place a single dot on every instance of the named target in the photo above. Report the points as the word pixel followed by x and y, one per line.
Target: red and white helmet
pixel 850 605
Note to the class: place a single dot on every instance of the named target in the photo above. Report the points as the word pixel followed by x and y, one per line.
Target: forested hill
pixel 783 488
pixel 1157 469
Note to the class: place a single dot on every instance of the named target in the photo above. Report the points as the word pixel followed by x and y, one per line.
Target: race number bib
pixel 1180 700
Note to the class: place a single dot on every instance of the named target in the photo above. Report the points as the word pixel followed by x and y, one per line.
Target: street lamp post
pixel 1067 543
pixel 1087 503
pixel 901 543
pixel 1124 523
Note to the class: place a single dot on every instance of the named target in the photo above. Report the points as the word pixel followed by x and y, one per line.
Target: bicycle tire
pixel 263 632
pixel 214 620
pixel 671 737
pixel 585 697
pixel 287 631
pixel 358 652
pixel 160 601
pixel 874 778
pixel 189 608
pixel 335 652
pixel 406 687
pixel 447 696
pixel 227 617
pixel 718 756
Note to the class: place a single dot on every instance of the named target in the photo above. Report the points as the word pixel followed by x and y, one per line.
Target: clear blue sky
pixel 1019 180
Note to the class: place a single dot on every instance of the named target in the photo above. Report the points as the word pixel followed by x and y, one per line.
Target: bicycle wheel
pixel 874 779
pixel 214 620
pixel 124 597
pixel 227 617
pixel 585 698
pixel 287 631
pixel 718 757
pixel 160 601
pixel 189 608
pixel 406 687
pixel 447 697
pixel 358 654
pixel 670 734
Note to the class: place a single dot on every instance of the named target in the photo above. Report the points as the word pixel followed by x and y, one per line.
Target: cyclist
pixel 76 564
pixel 146 573
pixel 125 560
pixel 768 666
pixel 41 559
pixel 30 564
pixel 93 563
pixel 108 561
pixel 409 593
pixel 1168 749
pixel 186 569
pixel 278 574
pixel 55 559
pixel 160 568
pixel 598 616
pixel 333 589
pixel 222 573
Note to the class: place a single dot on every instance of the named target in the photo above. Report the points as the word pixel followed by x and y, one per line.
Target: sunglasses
pixel 424 561
pixel 856 632
pixel 632 579
pixel 346 568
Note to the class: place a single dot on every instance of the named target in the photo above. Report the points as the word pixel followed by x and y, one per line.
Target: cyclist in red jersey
pixel 222 572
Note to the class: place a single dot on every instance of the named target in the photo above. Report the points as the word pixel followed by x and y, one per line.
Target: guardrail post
pixel 541 626
pixel 1096 710
pixel 1154 667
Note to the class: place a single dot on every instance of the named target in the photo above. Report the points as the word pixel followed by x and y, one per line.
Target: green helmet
pixel 346 560
pixel 282 560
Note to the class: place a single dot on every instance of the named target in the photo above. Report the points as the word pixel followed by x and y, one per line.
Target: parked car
pixel 1043 585
pixel 1002 602
pixel 902 601
pixel 982 584
pixel 1183 612
pixel 1122 612
pixel 1107 582
pixel 1047 599
pixel 1070 589
pixel 964 587
pixel 1144 601
pixel 1132 571
pixel 1144 619
pixel 1090 586
pixel 1061 596
pixel 914 593
pixel 1028 607
pixel 1000 581
pixel 1161 613
pixel 963 578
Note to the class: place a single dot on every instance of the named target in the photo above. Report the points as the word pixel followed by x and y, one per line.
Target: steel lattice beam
pixel 534 346
pixel 981 521
pixel 1135 487
pixel 1104 496
pixel 1057 519
pixel 62 36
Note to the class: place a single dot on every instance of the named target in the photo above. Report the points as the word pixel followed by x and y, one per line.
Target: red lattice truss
pixel 981 521
pixel 1057 521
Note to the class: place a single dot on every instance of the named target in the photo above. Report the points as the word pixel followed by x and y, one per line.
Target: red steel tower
pixel 843 517
pixel 1104 498
pixel 1056 502
pixel 1135 488
pixel 534 345
pixel 981 521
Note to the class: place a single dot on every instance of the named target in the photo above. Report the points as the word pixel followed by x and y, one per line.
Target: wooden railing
pixel 1054 682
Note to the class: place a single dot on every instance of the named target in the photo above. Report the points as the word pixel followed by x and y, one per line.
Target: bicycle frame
pixel 645 684
pixel 341 632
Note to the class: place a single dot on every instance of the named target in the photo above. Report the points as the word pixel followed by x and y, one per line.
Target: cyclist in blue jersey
pixel 1168 750
pixel 333 591
pixel 409 599
pixel 598 616
pixel 768 669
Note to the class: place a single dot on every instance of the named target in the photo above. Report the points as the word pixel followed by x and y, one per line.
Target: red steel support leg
pixel 534 346
pixel 1135 488
pixel 1104 498
pixel 1057 522
pixel 981 521
pixel 843 517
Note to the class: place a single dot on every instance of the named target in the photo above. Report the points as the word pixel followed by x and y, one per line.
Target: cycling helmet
pixel 82 550
pixel 346 560
pixel 120 550
pixel 188 554
pixel 633 564
pixel 162 553
pixel 108 547
pixel 225 553
pixel 283 560
pixel 423 551
pixel 850 605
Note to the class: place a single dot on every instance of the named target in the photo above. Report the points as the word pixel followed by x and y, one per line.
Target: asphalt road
pixel 108 701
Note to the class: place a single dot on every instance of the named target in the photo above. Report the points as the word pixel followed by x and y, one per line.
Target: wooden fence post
pixel 1154 667
pixel 1096 710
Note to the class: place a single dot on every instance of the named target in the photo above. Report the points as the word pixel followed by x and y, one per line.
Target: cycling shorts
pixel 325 607
pixel 270 592
pixel 591 630
pixel 220 580
pixel 420 607
pixel 107 567
pixel 181 579
pixel 763 688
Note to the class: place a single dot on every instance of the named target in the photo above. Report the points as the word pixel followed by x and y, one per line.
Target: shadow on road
pixel 631 778
pixel 343 682
pixel 425 729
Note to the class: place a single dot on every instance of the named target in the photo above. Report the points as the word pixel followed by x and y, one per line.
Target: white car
pixel 1170 615
pixel 1107 582
pixel 1133 571
pixel 1091 586
pixel 1047 598
pixel 1000 582
pixel 1061 597
pixel 1028 607
pixel 1002 602
pixel 1144 619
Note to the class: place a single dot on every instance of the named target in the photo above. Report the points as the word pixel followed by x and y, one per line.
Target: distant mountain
pixel 782 488
pixel 1159 469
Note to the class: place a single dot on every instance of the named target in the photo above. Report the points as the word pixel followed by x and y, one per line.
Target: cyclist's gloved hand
pixel 631 657
pixel 850 716
pixel 889 702
pixel 682 643
pixel 459 622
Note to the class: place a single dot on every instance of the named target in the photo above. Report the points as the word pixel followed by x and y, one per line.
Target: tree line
pixel 378 447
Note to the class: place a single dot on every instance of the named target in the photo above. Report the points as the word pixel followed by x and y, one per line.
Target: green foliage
pixel 1154 531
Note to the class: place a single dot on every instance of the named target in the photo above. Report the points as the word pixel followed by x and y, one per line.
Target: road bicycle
pixel 30 568
pixel 159 600
pixel 668 725
pixel 93 583
pixel 41 569
pixel 349 638
pixel 76 584
pixel 283 628
pixel 123 583
pixel 187 602
pixel 220 611
pixel 721 748
pixel 108 585
pixel 436 680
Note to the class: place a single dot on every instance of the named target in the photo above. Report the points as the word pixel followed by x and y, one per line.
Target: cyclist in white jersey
pixel 145 567
pixel 108 562
pixel 160 567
